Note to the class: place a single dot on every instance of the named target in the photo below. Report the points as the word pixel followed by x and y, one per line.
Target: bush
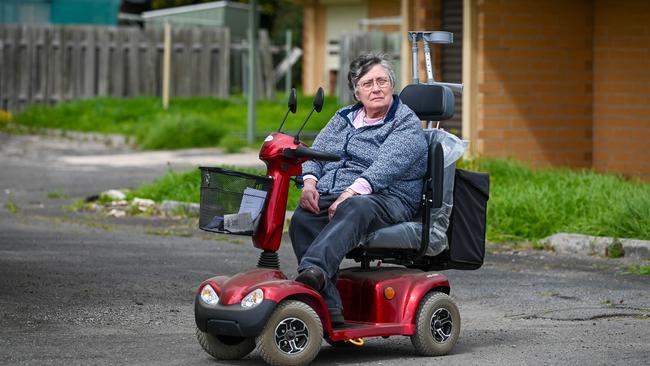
pixel 175 131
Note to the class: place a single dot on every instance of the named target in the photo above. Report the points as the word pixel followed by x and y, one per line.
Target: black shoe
pixel 312 277
pixel 336 316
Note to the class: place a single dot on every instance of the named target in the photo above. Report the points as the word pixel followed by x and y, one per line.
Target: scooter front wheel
pixel 437 325
pixel 292 336
pixel 225 347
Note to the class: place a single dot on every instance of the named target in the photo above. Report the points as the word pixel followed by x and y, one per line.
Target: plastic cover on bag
pixel 408 235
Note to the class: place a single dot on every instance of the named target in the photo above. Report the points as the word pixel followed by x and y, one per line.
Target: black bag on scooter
pixel 467 225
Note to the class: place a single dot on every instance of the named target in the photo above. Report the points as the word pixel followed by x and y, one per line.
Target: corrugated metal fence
pixel 50 64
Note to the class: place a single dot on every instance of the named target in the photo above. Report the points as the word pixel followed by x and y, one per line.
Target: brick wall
pixel 425 16
pixel 384 8
pixel 622 87
pixel 535 89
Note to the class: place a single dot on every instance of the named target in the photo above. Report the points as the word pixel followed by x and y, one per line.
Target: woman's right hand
pixel 309 196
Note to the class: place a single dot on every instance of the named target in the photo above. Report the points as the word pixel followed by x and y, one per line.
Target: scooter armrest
pixel 305 152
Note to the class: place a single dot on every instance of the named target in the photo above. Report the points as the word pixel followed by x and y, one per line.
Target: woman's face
pixel 374 91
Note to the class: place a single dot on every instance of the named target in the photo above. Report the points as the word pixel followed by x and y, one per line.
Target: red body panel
pixel 281 169
pixel 362 293
pixel 274 283
pixel 234 288
pixel 367 312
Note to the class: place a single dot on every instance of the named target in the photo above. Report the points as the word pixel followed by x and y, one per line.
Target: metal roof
pixel 193 8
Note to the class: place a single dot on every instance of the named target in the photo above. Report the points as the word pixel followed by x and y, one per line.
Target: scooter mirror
pixel 318 100
pixel 293 103
pixel 293 100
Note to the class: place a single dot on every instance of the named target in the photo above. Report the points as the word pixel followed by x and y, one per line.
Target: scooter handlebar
pixel 305 152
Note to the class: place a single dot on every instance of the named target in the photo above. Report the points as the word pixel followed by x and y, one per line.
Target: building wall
pixel 558 83
pixel 313 34
pixel 315 69
pixel 426 14
pixel 384 8
pixel 622 87
pixel 59 11
pixel 340 20
pixel 85 11
pixel 427 17
pixel 25 11
pixel 534 97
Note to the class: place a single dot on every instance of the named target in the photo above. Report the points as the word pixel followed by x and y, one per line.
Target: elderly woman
pixel 377 182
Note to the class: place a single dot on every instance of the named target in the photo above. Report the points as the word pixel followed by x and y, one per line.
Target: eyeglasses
pixel 381 83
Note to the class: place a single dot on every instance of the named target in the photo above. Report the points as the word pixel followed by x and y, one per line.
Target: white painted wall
pixel 340 19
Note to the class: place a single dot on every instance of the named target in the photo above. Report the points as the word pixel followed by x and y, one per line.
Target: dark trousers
pixel 317 241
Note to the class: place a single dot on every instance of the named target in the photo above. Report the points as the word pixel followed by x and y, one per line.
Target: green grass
pixel 11 206
pixel 643 270
pixel 530 204
pixel 524 204
pixel 56 195
pixel 184 186
pixel 189 122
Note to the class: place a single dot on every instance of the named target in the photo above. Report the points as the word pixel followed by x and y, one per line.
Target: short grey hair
pixel 362 64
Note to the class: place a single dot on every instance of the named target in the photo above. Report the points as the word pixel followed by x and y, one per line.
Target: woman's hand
pixel 332 209
pixel 309 196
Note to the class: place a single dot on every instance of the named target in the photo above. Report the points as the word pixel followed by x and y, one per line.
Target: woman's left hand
pixel 332 209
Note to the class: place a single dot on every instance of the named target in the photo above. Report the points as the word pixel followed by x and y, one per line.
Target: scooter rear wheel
pixel 437 325
pixel 292 335
pixel 224 347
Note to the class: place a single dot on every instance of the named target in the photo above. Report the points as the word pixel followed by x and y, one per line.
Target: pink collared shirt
pixel 360 185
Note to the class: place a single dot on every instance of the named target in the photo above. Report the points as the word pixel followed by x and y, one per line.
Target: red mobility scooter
pixel 287 320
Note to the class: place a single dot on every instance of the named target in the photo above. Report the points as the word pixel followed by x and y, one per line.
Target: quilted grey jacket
pixel 390 155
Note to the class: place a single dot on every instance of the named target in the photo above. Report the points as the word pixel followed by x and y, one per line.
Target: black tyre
pixel 225 347
pixel 292 336
pixel 437 325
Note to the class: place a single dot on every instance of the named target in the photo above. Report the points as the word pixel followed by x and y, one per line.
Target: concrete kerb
pixel 594 245
pixel 175 207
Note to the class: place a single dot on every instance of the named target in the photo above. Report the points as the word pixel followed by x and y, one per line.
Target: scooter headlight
pixel 209 295
pixel 253 299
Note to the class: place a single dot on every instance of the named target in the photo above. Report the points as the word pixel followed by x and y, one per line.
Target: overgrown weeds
pixel 11 207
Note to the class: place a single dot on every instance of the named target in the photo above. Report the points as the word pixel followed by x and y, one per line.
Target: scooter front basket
pixel 232 202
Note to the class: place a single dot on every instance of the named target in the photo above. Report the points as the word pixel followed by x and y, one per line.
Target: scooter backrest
pixel 430 102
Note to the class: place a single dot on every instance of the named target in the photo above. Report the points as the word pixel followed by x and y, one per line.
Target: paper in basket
pixel 249 211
